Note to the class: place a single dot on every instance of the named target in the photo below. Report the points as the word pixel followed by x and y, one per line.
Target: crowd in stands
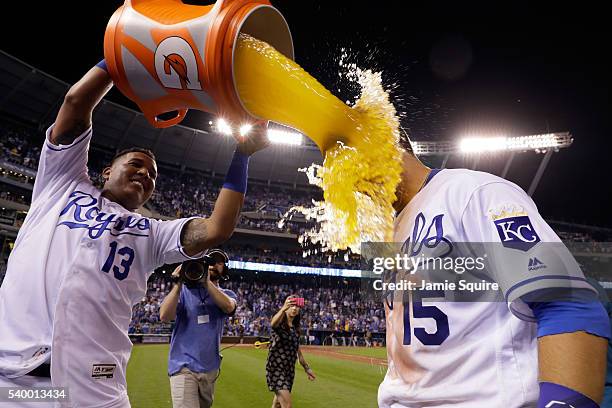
pixel 581 241
pixel 574 236
pixel 274 255
pixel 595 267
pixel 177 194
pixel 11 217
pixel 17 197
pixel 181 197
pixel 593 247
pixel 333 305
pixel 336 309
pixel 183 194
pixel 18 146
pixel 145 314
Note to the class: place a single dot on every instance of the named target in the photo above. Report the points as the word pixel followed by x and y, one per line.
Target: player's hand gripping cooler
pixel 167 56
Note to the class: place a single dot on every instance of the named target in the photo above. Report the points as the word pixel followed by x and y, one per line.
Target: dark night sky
pixel 509 67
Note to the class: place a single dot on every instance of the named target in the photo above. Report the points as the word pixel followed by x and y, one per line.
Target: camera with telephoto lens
pixel 194 270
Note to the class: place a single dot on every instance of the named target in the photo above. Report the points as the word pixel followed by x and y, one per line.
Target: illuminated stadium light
pixel 245 129
pixel 475 144
pixel 521 143
pixel 279 136
pixel 224 127
pixel 482 144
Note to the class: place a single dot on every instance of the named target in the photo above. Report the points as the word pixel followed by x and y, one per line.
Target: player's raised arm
pixel 203 233
pixel 74 116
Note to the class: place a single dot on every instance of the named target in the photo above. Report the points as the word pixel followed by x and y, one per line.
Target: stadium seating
pixel 335 305
pixel 332 305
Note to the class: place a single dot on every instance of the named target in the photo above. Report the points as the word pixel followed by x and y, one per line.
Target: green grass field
pixel 376 352
pixel 243 379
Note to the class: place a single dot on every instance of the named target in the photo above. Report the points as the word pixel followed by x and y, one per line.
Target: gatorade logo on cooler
pixel 176 65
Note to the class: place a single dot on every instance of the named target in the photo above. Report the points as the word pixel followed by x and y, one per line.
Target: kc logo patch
pixel 517 233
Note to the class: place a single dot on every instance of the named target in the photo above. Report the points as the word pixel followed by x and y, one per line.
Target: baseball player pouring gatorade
pixel 527 350
pixel 83 256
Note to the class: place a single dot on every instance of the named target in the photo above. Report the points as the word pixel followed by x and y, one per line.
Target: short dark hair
pixel 132 150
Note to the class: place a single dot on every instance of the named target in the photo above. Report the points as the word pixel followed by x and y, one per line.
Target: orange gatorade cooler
pixel 167 56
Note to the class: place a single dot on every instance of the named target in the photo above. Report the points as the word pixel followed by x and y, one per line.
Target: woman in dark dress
pixel 284 351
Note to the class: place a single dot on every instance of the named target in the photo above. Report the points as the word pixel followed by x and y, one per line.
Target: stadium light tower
pixel 546 143
pixel 495 143
pixel 279 136
pixel 539 143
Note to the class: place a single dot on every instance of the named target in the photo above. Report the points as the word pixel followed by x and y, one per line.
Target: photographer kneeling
pixel 200 307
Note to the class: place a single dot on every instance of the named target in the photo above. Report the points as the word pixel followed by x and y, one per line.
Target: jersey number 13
pixel 126 255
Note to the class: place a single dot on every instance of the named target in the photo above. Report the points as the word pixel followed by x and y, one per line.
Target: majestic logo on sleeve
pixel 82 212
pixel 514 228
pixel 535 264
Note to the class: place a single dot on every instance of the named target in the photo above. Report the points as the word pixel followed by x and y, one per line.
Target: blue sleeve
pixel 571 316
pixel 555 395
pixel 102 65
pixel 180 307
pixel 232 295
pixel 238 173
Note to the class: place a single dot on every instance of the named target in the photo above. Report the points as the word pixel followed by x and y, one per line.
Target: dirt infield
pixel 330 352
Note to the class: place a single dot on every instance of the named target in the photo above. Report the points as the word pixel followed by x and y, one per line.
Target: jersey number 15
pixel 431 312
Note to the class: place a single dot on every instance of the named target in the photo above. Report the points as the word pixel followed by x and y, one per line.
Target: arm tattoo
pixel 194 234
pixel 68 136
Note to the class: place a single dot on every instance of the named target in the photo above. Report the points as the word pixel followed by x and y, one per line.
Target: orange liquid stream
pixel 359 176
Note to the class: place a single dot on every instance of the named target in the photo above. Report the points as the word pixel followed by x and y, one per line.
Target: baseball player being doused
pixel 539 339
pixel 83 256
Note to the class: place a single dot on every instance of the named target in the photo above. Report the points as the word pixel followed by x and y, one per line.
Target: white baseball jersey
pixel 79 264
pixel 473 354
